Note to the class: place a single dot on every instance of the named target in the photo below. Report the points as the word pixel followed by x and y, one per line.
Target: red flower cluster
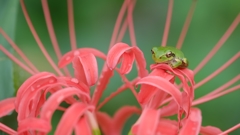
pixel 159 97
pixel 35 110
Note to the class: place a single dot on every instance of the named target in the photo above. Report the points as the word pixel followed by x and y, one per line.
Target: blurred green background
pixel 94 22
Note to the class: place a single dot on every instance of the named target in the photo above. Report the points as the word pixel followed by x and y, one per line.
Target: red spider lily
pixel 159 96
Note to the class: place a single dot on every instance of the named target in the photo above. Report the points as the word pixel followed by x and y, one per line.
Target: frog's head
pixel 162 55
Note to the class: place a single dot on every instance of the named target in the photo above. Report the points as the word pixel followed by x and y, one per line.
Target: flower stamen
pixel 219 70
pixel 52 33
pixel 186 24
pixel 71 25
pixel 39 42
pixel 18 50
pixel 13 58
pixel 168 21
pixel 222 40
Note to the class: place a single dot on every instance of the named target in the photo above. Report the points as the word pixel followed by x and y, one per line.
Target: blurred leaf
pixel 8 14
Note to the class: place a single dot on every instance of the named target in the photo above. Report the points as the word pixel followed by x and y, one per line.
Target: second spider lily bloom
pixel 161 79
pixel 157 87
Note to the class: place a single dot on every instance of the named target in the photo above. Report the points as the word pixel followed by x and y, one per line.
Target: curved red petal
pixel 167 127
pixel 141 62
pixel 32 102
pixel 188 93
pixel 33 99
pixel 189 74
pixel 193 123
pixel 119 50
pixel 41 101
pixel 82 127
pixel 190 90
pixel 170 109
pixel 114 126
pixel 86 69
pixel 78 70
pixel 105 122
pixel 93 51
pixel 34 124
pixel 127 63
pixel 55 99
pixel 149 93
pixel 158 98
pixel 90 68
pixel 115 53
pixel 74 82
pixel 71 117
pixel 33 83
pixel 162 84
pixel 122 115
pixel 148 121
pixel 68 57
pixel 146 94
pixel 175 72
pixel 162 73
pixel 6 106
pixel 102 84
pixel 28 104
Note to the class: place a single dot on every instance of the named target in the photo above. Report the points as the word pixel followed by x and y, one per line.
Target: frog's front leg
pixel 184 63
pixel 175 63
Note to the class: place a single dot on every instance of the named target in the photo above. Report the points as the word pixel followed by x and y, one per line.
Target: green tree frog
pixel 169 55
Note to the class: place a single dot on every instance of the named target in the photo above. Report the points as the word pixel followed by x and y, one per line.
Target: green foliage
pixel 8 13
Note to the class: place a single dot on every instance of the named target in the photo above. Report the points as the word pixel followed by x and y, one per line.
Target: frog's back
pixel 178 52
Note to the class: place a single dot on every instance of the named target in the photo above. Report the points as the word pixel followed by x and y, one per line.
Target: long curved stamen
pixel 219 70
pixel 13 58
pixel 115 93
pixel 221 88
pixel 230 129
pixel 186 24
pixel 71 25
pixel 122 31
pixel 118 23
pixel 124 27
pixel 235 79
pixel 130 23
pixel 219 44
pixel 6 129
pixel 52 33
pixel 50 28
pixel 128 83
pixel 39 42
pixel 208 98
pixel 168 22
pixel 18 50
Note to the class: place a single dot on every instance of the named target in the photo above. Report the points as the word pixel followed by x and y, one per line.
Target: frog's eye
pixel 170 54
pixel 152 51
